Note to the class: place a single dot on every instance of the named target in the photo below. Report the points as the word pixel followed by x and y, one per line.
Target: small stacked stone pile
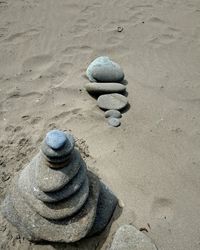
pixel 106 79
pixel 55 198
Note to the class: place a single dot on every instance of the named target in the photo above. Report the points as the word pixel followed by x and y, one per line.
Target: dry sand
pixel 152 160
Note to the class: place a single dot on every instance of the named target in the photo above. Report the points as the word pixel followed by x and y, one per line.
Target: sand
pixel 152 160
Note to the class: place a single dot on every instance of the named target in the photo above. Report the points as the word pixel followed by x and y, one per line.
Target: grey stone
pixel 57 210
pixel 112 101
pixel 61 154
pixel 114 122
pixel 50 179
pixel 56 139
pixel 113 113
pixel 37 228
pixel 63 193
pixel 128 237
pixel 103 88
pixel 102 69
pixel 105 208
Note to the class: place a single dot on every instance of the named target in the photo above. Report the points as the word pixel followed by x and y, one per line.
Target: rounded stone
pixel 103 88
pixel 50 179
pixel 61 154
pixel 55 139
pixel 102 69
pixel 68 190
pixel 128 237
pixel 114 122
pixel 113 113
pixel 112 101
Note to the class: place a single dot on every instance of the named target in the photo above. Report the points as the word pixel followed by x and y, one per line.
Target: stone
pixel 112 101
pixel 104 212
pixel 60 155
pixel 128 237
pixel 113 113
pixel 103 88
pixel 50 179
pixel 114 122
pixel 55 211
pixel 56 139
pixel 102 69
pixel 68 190
pixel 36 228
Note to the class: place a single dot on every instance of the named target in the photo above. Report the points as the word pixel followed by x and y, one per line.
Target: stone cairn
pixel 106 81
pixel 55 198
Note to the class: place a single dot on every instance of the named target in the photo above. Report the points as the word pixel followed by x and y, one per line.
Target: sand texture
pixel 152 161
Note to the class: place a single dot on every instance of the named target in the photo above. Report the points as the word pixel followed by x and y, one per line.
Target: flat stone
pixel 113 113
pixel 56 139
pixel 105 208
pixel 128 237
pixel 114 122
pixel 103 88
pixel 57 210
pixel 37 228
pixel 68 190
pixel 112 101
pixel 58 155
pixel 102 69
pixel 50 179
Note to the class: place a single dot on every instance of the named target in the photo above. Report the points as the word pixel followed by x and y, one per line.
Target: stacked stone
pixel 106 79
pixel 55 198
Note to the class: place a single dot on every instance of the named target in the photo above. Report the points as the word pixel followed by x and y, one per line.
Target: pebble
pixel 102 69
pixel 113 113
pixel 128 237
pixel 114 122
pixel 55 139
pixel 103 88
pixel 61 154
pixel 112 101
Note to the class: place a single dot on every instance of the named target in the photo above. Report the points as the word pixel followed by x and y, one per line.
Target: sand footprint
pixel 21 37
pixel 77 50
pixel 170 35
pixel 35 66
pixel 162 208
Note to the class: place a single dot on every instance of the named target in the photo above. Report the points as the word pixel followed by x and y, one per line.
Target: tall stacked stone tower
pixel 55 197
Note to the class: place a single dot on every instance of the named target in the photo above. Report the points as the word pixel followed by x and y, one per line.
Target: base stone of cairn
pixel 55 198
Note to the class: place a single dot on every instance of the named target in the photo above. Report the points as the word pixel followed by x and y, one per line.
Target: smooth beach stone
pixel 56 139
pixel 102 69
pixel 63 193
pixel 114 122
pixel 57 210
pixel 61 154
pixel 128 237
pixel 36 228
pixel 113 113
pixel 103 88
pixel 112 101
pixel 104 212
pixel 50 179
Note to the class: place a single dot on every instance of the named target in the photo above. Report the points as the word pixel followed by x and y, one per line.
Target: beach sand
pixel 152 161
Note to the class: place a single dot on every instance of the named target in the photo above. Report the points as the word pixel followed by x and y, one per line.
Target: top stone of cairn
pixel 56 139
pixel 57 146
pixel 103 69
